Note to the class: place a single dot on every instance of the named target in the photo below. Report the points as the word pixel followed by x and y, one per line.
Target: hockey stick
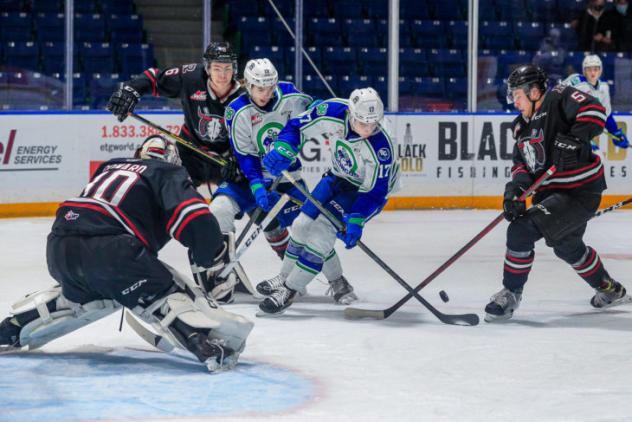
pixel 613 207
pixel 465 319
pixel 385 313
pixel 190 145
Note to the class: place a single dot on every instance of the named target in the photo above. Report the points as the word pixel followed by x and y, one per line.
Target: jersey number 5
pixel 578 96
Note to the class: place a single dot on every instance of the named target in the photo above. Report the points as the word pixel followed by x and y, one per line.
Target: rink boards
pixel 447 160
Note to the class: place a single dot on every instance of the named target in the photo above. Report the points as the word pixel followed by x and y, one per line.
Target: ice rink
pixel 557 360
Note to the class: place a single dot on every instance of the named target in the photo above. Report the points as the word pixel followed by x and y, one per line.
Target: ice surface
pixel 557 360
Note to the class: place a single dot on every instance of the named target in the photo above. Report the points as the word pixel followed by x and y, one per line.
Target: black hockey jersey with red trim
pixel 150 199
pixel 203 111
pixel 565 110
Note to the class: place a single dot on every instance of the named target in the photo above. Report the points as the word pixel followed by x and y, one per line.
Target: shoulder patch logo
pixel 383 154
pixel 229 113
pixel 198 96
pixel 321 109
pixel 71 216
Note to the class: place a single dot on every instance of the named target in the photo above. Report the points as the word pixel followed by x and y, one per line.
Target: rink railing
pixel 448 160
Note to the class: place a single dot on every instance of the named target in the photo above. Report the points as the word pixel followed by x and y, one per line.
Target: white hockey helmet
pixel 592 60
pixel 157 147
pixel 261 73
pixel 366 106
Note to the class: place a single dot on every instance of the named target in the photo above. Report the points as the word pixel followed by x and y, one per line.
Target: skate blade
pixel 263 314
pixel 621 301
pixel 347 299
pixel 7 350
pixel 497 318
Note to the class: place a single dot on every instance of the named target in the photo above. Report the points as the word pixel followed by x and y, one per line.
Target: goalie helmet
pixel 260 72
pixel 220 52
pixel 366 106
pixel 157 147
pixel 592 60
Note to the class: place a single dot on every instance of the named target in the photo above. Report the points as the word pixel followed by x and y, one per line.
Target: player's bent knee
pixel 46 315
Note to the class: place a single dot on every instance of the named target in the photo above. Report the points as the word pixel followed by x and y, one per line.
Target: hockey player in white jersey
pixel 254 120
pixel 590 83
pixel 363 172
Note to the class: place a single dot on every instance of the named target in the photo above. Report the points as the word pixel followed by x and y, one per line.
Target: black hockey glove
pixel 567 150
pixel 512 207
pixel 123 101
pixel 230 172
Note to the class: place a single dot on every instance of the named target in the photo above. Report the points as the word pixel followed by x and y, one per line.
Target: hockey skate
pixel 211 352
pixel 502 305
pixel 267 287
pixel 611 293
pixel 342 291
pixel 9 336
pixel 277 302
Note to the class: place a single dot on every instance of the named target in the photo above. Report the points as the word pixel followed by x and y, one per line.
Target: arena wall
pixel 447 160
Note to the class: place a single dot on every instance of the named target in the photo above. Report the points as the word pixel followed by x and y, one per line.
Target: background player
pixel 204 90
pixel 364 171
pixel 590 83
pixel 254 120
pixel 555 128
pixel 103 249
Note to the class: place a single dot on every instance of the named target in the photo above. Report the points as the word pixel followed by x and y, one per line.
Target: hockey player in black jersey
pixel 103 252
pixel 204 89
pixel 555 128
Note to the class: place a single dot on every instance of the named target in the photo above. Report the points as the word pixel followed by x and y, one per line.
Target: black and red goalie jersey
pixel 568 111
pixel 150 199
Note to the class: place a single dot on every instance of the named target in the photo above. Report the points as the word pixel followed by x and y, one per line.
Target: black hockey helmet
pixel 526 77
pixel 220 52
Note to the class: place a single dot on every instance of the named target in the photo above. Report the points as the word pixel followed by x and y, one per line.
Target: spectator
pixel 595 28
pixel 622 17
pixel 551 56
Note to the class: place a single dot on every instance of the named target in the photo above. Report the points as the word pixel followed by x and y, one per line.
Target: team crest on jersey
pixel 384 154
pixel 532 149
pixel 267 135
pixel 321 109
pixel 198 96
pixel 210 126
pixel 345 158
pixel 71 216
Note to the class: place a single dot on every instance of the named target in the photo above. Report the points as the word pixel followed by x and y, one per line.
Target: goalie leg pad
pixel 201 315
pixel 47 315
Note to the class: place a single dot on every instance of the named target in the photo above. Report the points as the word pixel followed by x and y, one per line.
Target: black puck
pixel 444 296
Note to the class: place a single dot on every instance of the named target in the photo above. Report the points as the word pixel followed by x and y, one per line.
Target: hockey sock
pixel 332 268
pixel 516 269
pixel 590 268
pixel 278 240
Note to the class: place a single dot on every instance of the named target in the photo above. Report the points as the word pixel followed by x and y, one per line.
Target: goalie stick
pixel 351 312
pixel 452 319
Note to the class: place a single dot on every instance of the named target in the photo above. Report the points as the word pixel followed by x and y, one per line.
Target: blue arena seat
pixel 512 10
pixel 24 55
pixel 16 26
pixel 448 63
pixel 431 88
pixel 255 31
pixel 274 53
pixel 97 57
pixel 349 9
pixel 340 60
pixel 406 86
pixel 545 11
pixel 496 35
pixel 117 7
pixel 46 6
pixel 101 87
pixel 317 9
pixel 286 7
pixel 360 32
pixel 315 87
pixel 347 83
pixel 377 9
pixel 125 28
pixel 380 84
pixel 324 31
pixel 429 34
pixel 529 35
pixel 53 57
pixel 414 9
pixel 448 11
pixel 458 32
pixel 315 53
pixel 413 62
pixel 89 28
pixel 374 61
pixel 135 58
pixel 509 60
pixel 85 6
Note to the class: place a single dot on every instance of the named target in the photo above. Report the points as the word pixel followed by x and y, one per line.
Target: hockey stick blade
pixel 379 314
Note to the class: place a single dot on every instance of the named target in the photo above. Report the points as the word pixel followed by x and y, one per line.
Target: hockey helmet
pixel 366 106
pixel 220 52
pixel 526 77
pixel 592 60
pixel 261 73
pixel 157 147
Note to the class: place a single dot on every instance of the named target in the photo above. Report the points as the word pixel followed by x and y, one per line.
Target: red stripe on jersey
pixel 519 260
pixel 188 219
pixel 513 270
pixel 579 170
pixel 88 206
pixel 186 130
pixel 131 226
pixel 152 79
pixel 562 185
pixel 595 106
pixel 179 208
pixel 601 123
